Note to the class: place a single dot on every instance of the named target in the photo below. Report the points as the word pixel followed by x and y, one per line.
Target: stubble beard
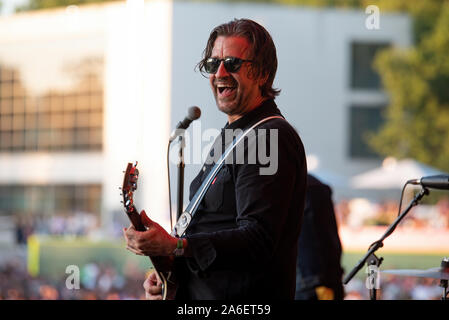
pixel 237 106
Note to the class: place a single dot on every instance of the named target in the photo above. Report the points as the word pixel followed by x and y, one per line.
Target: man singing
pixel 242 241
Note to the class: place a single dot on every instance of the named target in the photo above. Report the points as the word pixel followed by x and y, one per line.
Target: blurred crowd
pixel 394 287
pixel 353 213
pixel 97 282
pixel 78 224
pixel 105 282
pixel 359 212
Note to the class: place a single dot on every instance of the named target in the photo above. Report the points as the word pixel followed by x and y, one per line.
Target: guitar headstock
pixel 129 186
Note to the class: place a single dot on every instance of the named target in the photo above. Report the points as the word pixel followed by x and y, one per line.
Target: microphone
pixel 192 114
pixel 433 182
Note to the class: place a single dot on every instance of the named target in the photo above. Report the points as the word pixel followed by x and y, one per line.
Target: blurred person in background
pixel 342 212
pixel 318 271
pixel 23 227
pixel 441 218
pixel 387 213
pixel 426 289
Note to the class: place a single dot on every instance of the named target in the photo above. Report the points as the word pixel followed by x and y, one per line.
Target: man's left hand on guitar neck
pixel 153 242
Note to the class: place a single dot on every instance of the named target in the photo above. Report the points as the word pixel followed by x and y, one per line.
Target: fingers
pixel 140 253
pixel 153 297
pixel 132 238
pixel 125 235
pixel 155 278
pixel 129 232
pixel 153 287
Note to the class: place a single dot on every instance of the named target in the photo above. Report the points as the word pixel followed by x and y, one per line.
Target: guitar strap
pixel 185 218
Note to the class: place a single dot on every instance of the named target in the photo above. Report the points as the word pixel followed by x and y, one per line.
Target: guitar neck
pixel 135 219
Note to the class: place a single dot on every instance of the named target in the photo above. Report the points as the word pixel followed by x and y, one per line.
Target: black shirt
pixel 244 234
pixel 319 244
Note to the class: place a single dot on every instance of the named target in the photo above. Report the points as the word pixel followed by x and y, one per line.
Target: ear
pixel 262 80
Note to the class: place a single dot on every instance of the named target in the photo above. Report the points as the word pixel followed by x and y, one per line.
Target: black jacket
pixel 319 244
pixel 244 235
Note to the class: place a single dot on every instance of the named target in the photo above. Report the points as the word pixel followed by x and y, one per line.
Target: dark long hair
pixel 263 51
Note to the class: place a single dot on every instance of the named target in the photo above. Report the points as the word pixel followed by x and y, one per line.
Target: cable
pixel 169 189
pixel 402 195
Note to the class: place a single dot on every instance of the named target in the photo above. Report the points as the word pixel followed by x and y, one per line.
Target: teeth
pixel 220 85
pixel 223 88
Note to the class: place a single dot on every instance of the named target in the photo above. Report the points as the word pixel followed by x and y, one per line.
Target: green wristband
pixel 179 251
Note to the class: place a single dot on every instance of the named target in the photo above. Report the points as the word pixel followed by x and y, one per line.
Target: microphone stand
pixel 375 261
pixel 181 167
pixel 373 266
pixel 443 282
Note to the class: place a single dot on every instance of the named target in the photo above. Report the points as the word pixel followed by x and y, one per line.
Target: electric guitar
pixel 162 265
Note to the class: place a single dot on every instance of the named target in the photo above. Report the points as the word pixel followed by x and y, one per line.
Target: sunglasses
pixel 231 64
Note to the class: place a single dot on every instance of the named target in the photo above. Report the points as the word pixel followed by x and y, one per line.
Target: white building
pixel 84 90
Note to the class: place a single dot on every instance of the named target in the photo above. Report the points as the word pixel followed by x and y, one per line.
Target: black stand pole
pixel 181 166
pixel 444 285
pixel 444 282
pixel 373 274
pixel 379 243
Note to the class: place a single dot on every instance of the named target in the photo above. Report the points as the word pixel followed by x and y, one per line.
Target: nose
pixel 221 72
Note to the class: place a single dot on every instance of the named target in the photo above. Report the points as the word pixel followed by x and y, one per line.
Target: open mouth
pixel 226 90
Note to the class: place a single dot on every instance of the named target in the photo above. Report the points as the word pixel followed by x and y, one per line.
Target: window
pixel 363 75
pixel 55 121
pixel 363 120
pixel 51 95
pixel 50 199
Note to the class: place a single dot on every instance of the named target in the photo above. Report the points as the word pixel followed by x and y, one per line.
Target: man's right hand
pixel 153 287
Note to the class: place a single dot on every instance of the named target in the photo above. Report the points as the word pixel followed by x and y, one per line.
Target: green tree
pixel 45 4
pixel 417 81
